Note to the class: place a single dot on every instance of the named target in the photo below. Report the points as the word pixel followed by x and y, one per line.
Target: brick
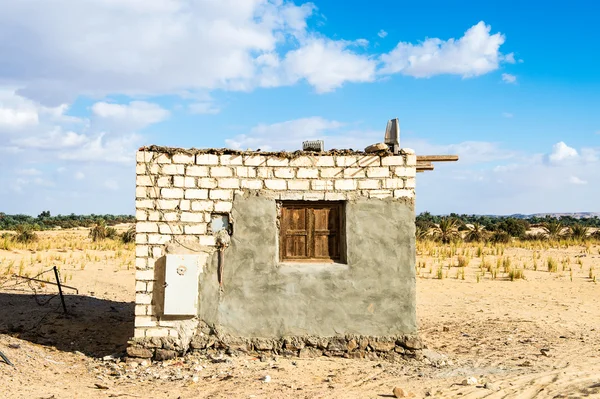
pixel 141 239
pixel 335 196
pixel 369 160
pixel 223 206
pixel 143 156
pixel 165 181
pixel 141 310
pixel 254 160
pixel 145 275
pixel 207 182
pixel 306 173
pixel 172 193
pixel 313 196
pixel 185 205
pixel 284 173
pixel 380 193
pixel 141 192
pixel 345 161
pixel 232 160
pixel 321 185
pixel 197 170
pixel 354 173
pixel 204 206
pixel 140 169
pixel 292 196
pixel 392 161
pixel 252 184
pixel 345 184
pixel 393 183
pixel 411 160
pixel 403 193
pixel 228 183
pixel 196 193
pixel 170 217
pixel 275 184
pixel 208 241
pixel 173 169
pixel 278 162
pixel 220 194
pixel 140 286
pixel 192 217
pixel 403 171
pixel 157 332
pixel 168 229
pixel 154 216
pixel 378 172
pixel 325 161
pixel 139 333
pixel 245 171
pixel 183 158
pixel 410 182
pixel 207 159
pixel 221 171
pixel 142 250
pixel 141 263
pixel 331 172
pixel 265 173
pixel 369 184
pixel 163 159
pixel 143 181
pixel 298 185
pixel 302 161
pixel 158 239
pixel 149 286
pixel 195 229
pixel 181 181
pixel 144 204
pixel 167 204
pixel 146 227
pixel 143 299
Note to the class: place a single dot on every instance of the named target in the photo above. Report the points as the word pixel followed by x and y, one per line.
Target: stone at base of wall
pixel 348 346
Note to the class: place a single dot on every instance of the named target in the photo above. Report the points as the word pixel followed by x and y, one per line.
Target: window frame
pixel 311 243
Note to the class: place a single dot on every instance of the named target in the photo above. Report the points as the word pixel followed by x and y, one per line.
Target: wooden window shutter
pixel 311 231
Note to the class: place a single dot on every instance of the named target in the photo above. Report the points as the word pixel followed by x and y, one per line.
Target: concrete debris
pixel 376 147
pixel 491 386
pixel 401 393
pixel 267 378
pixel 469 381
pixel 137 351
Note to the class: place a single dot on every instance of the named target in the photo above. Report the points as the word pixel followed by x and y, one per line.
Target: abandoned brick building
pixel 302 253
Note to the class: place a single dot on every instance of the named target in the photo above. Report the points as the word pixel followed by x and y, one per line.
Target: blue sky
pixel 513 89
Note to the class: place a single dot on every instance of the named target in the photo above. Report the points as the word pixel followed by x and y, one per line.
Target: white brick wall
pixel 176 194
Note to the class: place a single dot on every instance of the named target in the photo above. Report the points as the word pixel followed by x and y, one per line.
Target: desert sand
pixel 536 337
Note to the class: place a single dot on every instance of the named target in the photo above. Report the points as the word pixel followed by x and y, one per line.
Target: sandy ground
pixel 537 337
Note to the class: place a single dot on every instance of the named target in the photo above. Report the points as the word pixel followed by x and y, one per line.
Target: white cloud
pixel 287 135
pixel 111 185
pixel 508 78
pixel 52 140
pixel 382 33
pixel 79 175
pixel 104 149
pixel 576 180
pixel 130 117
pixel 474 54
pixel 29 172
pixel 562 153
pixel 327 65
pixel 203 107
pixel 507 115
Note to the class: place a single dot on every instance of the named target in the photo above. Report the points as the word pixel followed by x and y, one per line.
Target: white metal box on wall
pixel 181 285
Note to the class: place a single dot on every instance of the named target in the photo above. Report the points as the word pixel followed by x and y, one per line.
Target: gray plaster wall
pixel 373 294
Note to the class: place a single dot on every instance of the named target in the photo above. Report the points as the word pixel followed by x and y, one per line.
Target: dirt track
pixel 529 338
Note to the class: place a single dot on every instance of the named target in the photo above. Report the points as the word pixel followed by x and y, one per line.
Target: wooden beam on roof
pixel 437 158
pixel 423 166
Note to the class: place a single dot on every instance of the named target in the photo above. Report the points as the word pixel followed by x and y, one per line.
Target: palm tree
pixel 553 229
pixel 446 230
pixel 98 231
pixel 476 233
pixel 421 232
pixel 579 232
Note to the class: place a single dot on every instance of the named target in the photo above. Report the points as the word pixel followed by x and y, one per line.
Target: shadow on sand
pixel 95 327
